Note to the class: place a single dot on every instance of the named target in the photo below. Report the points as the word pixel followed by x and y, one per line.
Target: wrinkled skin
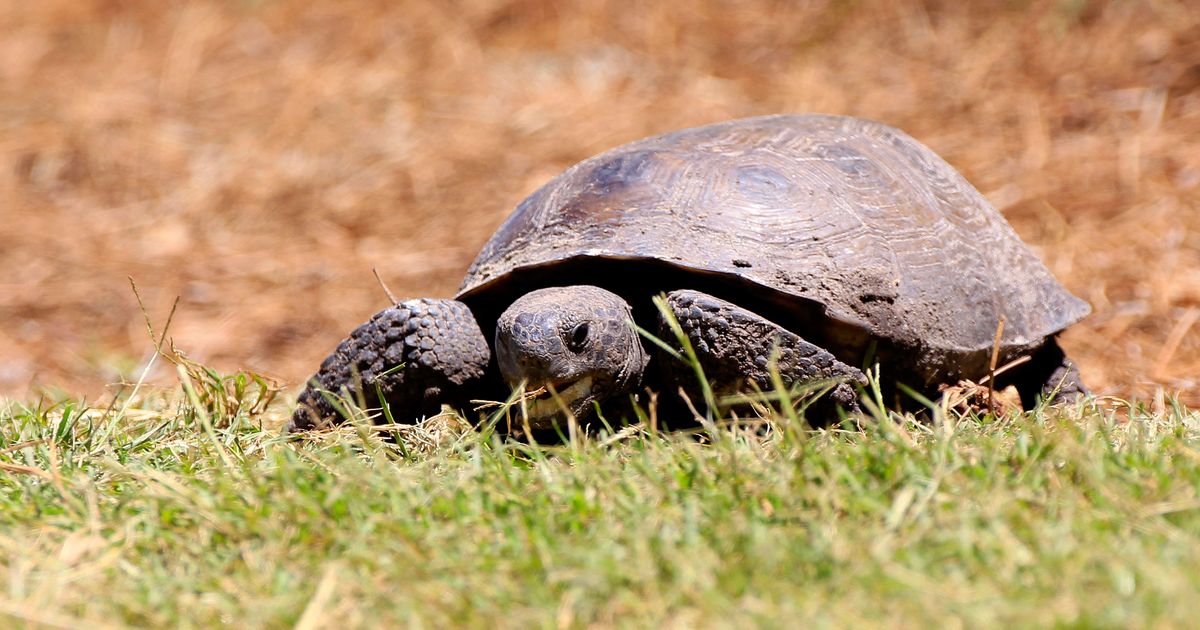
pixel 578 342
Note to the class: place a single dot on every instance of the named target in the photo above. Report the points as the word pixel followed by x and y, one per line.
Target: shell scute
pixel 847 213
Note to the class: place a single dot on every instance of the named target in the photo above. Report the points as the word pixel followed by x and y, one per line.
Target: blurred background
pixel 258 158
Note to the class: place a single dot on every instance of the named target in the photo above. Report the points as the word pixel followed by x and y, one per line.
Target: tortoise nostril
pixel 579 336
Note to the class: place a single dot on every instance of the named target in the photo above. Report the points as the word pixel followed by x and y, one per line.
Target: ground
pixel 258 160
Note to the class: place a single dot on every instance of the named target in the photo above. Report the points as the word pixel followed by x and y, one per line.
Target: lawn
pixel 187 507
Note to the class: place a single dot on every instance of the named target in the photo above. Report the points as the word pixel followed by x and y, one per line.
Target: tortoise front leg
pixel 735 347
pixel 419 354
pixel 1065 384
pixel 1051 375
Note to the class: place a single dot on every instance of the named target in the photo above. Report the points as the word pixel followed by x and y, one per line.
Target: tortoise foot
pixel 1062 382
pixel 737 349
pixel 417 355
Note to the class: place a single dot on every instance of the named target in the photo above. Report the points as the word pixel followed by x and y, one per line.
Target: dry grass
pixel 258 159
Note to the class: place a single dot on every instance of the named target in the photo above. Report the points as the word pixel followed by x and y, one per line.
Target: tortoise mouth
pixel 573 396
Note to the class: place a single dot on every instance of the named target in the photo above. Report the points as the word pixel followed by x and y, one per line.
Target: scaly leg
pixel 1052 375
pixel 735 347
pixel 419 354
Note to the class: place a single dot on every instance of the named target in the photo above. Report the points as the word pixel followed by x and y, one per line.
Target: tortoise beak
pixel 573 397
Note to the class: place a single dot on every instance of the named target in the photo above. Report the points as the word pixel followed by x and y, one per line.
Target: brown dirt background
pixel 257 159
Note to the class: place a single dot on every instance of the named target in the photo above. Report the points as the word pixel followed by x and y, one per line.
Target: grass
pixel 188 508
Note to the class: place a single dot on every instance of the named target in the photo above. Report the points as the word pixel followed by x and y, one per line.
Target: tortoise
pixel 807 244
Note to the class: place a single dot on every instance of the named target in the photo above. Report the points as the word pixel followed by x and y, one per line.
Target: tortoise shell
pixel 851 215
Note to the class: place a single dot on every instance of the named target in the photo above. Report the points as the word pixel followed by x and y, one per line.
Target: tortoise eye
pixel 579 336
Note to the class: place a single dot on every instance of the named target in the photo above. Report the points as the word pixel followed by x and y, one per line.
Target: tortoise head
pixel 577 341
